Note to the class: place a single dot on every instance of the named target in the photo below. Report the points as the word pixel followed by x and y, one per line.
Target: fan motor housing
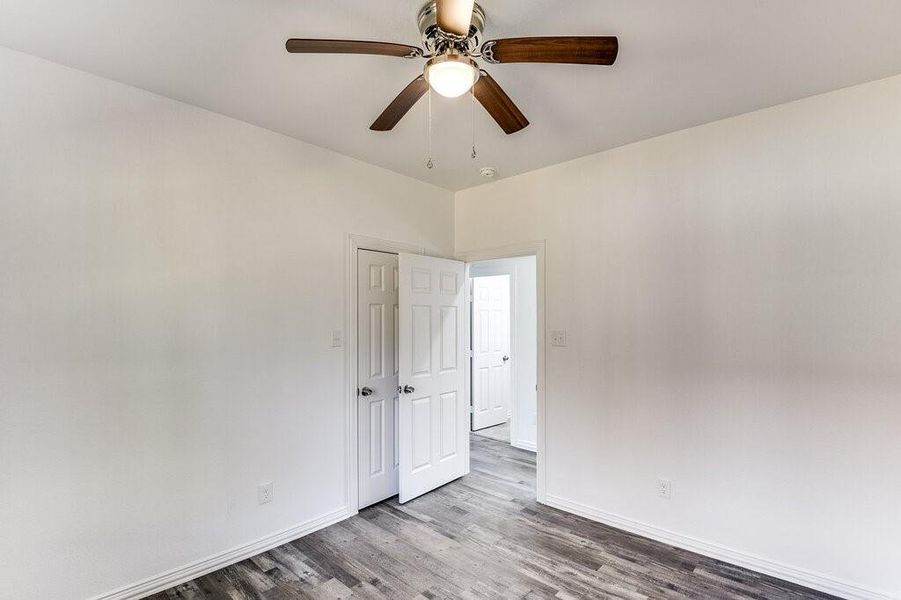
pixel 437 40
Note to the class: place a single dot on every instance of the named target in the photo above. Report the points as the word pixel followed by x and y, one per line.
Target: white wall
pixel 732 296
pixel 169 279
pixel 524 319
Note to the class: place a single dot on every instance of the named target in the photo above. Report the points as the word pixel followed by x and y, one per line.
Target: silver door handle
pixel 506 358
pixel 366 391
pixel 409 389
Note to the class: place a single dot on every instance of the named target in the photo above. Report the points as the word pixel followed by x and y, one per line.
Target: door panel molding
pixel 433 424
pixel 377 374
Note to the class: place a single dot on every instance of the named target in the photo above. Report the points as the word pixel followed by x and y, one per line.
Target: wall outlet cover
pixel 665 488
pixel 558 338
pixel 264 493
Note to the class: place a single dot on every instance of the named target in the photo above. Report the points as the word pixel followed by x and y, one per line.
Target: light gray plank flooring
pixel 501 432
pixel 483 536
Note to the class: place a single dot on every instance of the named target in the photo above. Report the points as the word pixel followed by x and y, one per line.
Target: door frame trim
pixel 354 244
pixel 538 249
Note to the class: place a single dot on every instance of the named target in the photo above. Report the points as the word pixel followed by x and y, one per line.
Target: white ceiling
pixel 681 63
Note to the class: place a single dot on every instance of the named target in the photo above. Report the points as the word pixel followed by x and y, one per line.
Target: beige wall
pixel 170 279
pixel 732 297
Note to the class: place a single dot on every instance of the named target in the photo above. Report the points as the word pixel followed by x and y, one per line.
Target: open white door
pixel 491 373
pixel 434 424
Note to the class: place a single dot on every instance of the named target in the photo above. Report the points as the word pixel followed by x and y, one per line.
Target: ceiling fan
pixel 452 36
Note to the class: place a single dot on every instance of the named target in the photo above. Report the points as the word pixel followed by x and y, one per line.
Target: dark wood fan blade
pixel 499 105
pixel 455 16
pixel 300 46
pixel 401 105
pixel 570 50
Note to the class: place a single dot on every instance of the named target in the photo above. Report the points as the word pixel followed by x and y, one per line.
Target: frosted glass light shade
pixel 451 75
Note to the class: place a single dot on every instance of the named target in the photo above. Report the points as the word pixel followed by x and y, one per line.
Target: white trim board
pixel 180 575
pixel 810 579
pixel 525 446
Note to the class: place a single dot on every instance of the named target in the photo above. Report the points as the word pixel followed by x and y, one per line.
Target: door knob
pixel 506 358
pixel 409 389
pixel 366 391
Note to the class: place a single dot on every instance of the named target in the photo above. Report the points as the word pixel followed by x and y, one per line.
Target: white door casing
pixel 377 377
pixel 491 368
pixel 434 424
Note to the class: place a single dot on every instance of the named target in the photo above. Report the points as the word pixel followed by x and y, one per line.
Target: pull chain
pixel 430 164
pixel 472 114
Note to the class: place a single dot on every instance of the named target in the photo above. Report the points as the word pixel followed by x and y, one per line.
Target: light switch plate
pixel 337 338
pixel 558 338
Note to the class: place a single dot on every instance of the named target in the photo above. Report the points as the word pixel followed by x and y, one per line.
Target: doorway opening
pixel 504 350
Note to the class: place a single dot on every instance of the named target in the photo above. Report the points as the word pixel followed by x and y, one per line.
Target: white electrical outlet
pixel 264 493
pixel 558 338
pixel 665 488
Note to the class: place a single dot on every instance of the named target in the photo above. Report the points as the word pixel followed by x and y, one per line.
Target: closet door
pixel 377 397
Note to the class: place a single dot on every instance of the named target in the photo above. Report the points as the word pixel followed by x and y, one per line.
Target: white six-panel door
pixel 491 371
pixel 434 408
pixel 377 396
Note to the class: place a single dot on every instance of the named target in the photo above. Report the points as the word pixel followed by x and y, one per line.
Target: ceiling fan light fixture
pixel 451 75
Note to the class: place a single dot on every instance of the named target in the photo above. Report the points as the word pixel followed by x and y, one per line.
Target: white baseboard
pixel 810 579
pixel 530 446
pixel 179 575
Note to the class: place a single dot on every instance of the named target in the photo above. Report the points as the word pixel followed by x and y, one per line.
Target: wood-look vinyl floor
pixel 500 433
pixel 483 536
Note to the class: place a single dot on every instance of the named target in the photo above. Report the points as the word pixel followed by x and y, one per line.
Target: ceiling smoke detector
pixel 488 172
